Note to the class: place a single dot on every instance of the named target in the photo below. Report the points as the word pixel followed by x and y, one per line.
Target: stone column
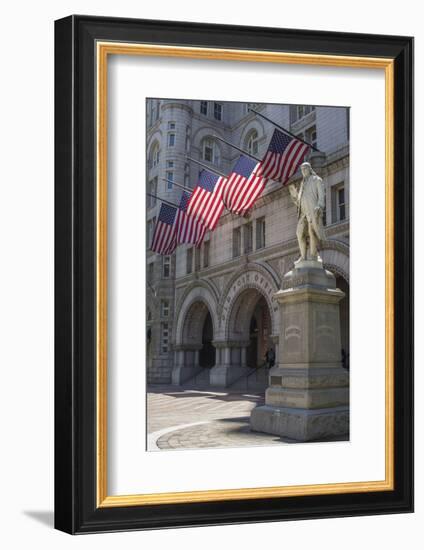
pixel 308 395
pixel 185 367
pixel 217 355
pixel 243 360
pixel 224 373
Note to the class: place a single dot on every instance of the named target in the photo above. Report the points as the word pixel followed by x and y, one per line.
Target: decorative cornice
pixel 259 257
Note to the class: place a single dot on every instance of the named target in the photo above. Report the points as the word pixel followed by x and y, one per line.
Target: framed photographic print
pixel 233 274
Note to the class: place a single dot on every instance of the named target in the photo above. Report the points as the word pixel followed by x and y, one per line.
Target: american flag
pixel 243 186
pixel 283 157
pixel 188 229
pixel 164 238
pixel 205 203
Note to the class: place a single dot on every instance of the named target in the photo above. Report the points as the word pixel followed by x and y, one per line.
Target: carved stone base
pixel 301 424
pixel 308 395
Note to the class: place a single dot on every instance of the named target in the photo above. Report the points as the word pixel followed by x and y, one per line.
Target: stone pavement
pixel 181 418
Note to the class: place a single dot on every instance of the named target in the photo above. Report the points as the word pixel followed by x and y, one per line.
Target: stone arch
pixel 241 313
pixel 197 303
pixel 260 281
pixel 335 257
pixel 254 125
pixel 193 308
pixel 203 132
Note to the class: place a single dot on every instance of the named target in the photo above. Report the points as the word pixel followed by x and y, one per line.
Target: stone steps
pixel 257 380
pixel 200 381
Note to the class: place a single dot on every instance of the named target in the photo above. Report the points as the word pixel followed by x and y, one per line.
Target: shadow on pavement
pixel 218 394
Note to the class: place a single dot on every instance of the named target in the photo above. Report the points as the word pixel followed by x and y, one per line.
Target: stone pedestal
pixel 308 395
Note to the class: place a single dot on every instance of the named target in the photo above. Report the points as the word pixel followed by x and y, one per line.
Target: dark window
pixel 248 237
pixel 217 111
pixel 206 247
pixel 236 242
pixel 303 110
pixel 166 272
pixel 252 142
pixel 169 179
pixel 189 260
pixel 338 203
pixel 165 338
pixel 171 139
pixel 204 107
pixel 260 233
pixel 311 136
pixel 197 259
pixel 165 308
pixel 341 205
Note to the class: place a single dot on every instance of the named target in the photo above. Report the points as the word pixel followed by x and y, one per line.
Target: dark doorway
pixel 252 350
pixel 259 334
pixel 207 352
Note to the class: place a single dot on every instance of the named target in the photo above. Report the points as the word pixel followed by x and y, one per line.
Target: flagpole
pixel 283 129
pixel 169 203
pixel 207 167
pixel 187 189
pixel 238 148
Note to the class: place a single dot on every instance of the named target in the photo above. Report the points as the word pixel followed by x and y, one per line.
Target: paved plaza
pixel 186 418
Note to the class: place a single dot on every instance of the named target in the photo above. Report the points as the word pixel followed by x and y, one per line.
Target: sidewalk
pixel 181 418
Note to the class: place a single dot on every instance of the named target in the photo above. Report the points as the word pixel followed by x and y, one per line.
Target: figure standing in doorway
pixel 270 358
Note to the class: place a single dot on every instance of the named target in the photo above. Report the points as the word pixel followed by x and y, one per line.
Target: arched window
pixel 251 142
pixel 154 155
pixel 210 151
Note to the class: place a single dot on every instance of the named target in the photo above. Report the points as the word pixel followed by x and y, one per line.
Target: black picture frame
pixel 76 508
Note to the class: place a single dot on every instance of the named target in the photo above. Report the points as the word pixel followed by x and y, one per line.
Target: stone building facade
pixel 212 309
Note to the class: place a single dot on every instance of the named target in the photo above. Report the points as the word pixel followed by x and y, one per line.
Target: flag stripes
pixel 164 237
pixel 243 186
pixel 283 157
pixel 188 229
pixel 205 203
pixel 200 211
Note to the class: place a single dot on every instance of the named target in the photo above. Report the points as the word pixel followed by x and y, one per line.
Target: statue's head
pixel 306 169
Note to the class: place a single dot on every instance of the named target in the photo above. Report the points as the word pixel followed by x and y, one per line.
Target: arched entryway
pixel 250 323
pixel 195 351
pixel 207 351
pixel 259 334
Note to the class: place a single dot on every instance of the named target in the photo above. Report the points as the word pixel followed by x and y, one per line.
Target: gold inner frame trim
pixel 104 49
